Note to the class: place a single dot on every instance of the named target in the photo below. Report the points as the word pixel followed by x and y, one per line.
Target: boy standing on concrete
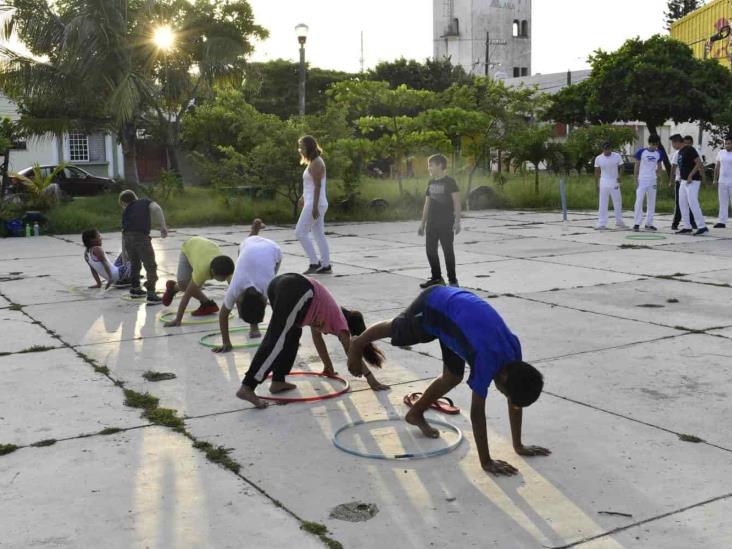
pixel 690 166
pixel 608 170
pixel 136 224
pixel 648 163
pixel 441 218
pixel 723 178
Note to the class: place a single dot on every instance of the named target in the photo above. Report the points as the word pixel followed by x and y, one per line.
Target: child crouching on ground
pixel 117 273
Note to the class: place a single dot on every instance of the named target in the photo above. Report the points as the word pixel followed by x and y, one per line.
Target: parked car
pixel 72 180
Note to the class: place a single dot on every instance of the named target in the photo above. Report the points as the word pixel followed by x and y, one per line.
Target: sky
pixel 565 32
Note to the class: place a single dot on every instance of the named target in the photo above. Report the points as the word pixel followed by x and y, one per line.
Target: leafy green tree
pixel 434 74
pixel 676 9
pixel 8 136
pixel 347 159
pixel 104 71
pixel 585 143
pixel 531 145
pixel 272 87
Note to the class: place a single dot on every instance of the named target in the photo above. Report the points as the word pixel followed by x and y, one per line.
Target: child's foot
pixel 720 226
pixel 280 387
pixel 701 231
pixel 636 228
pixel 312 269
pixel 137 293
pixel 651 228
pixel 254 333
pixel 153 299
pixel 454 284
pixel 207 308
pixel 417 419
pixel 246 393
pixel 325 270
pixel 170 292
pixel 432 282
pixel 684 231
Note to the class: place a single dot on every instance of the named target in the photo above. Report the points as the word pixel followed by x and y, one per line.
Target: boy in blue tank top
pixel 469 330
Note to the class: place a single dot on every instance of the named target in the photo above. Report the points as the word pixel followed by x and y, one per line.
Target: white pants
pixel 607 191
pixel 725 197
pixel 306 225
pixel 647 189
pixel 689 201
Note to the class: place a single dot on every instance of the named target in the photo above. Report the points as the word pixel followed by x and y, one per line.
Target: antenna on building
pixel 361 59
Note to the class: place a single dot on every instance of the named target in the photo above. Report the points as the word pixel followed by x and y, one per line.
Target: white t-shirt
pixel 608 167
pixel 648 161
pixel 256 266
pixel 724 157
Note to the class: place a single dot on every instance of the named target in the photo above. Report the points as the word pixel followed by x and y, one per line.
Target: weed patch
pixel 158 376
pixel 146 401
pixel 164 416
pixel 15 307
pixel 218 454
pixel 37 349
pixel 7 449
pixel 45 442
pixel 690 438
pixel 110 431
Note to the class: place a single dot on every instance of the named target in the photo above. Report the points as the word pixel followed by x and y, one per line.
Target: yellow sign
pixel 707 31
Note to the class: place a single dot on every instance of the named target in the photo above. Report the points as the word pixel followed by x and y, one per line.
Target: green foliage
pixel 110 431
pixel 146 401
pixel 167 184
pixel 348 160
pixel 434 74
pixel 44 442
pixel 164 416
pixel 585 143
pixel 676 9
pixel 218 454
pixel 7 449
pixel 530 145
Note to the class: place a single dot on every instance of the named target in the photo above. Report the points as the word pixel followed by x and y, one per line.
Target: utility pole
pixel 361 60
pixel 487 53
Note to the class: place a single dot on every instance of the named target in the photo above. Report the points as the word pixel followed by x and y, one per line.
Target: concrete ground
pixel 634 338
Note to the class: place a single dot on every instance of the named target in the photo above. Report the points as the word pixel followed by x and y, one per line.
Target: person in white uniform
pixel 648 164
pixel 258 263
pixel 314 204
pixel 723 178
pixel 608 169
pixel 691 169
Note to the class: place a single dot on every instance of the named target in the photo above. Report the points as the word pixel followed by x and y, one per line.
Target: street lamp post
pixel 302 35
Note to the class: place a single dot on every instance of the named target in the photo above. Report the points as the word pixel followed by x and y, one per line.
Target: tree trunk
pixel 5 178
pixel 499 164
pixel 129 150
pixel 470 184
pixel 536 178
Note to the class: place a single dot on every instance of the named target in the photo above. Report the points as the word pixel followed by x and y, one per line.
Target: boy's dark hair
pixel 675 138
pixel 523 383
pixel 87 236
pixel 356 325
pixel 127 197
pixel 222 265
pixel 438 160
pixel 654 140
pixel 689 139
pixel 310 148
pixel 251 306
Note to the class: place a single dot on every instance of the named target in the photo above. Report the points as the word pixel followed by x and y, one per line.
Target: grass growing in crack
pixel 37 349
pixel 101 369
pixel 634 247
pixel 7 449
pixel 690 438
pixel 146 401
pixel 158 376
pixel 164 416
pixel 110 431
pixel 44 442
pixel 15 307
pixel 320 530
pixel 672 300
pixel 218 454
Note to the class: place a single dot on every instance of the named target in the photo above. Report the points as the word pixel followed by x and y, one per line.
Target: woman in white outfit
pixel 314 203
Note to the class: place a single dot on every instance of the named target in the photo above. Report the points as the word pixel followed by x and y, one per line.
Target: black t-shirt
pixel 136 217
pixel 687 162
pixel 440 192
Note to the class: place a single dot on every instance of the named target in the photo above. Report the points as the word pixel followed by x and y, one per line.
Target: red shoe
pixel 169 292
pixel 207 308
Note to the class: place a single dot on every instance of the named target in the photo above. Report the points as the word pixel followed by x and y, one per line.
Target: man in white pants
pixel 608 169
pixel 690 167
pixel 723 178
pixel 648 163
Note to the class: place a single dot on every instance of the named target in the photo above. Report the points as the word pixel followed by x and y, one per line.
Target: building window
pixel 78 147
pixel 524 71
pixel 525 28
pixel 516 30
pixel 97 148
pixel 516 72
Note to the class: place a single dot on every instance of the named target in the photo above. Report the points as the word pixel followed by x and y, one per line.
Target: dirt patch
pixel 355 511
pixel 158 376
pixel 651 306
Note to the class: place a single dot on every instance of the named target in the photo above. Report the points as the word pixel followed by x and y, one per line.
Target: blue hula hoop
pixel 429 454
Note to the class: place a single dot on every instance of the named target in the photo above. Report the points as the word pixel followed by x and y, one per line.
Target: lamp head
pixel 301 31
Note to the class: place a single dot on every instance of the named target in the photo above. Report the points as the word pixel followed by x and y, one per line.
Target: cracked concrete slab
pixel 19 333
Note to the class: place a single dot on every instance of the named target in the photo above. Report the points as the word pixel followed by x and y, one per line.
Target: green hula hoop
pixel 645 237
pixel 203 341
pixel 208 319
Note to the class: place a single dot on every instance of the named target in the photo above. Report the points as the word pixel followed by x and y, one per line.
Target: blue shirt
pixel 473 330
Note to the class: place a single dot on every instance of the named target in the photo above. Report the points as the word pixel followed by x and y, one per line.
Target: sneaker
pixel 312 269
pixel 153 299
pixel 601 228
pixel 620 226
pixel 454 284
pixel 137 292
pixel 636 228
pixel 324 270
pixel 701 231
pixel 169 292
pixel 205 309
pixel 720 226
pixel 674 227
pixel 650 228
pixel 432 282
pixel 684 231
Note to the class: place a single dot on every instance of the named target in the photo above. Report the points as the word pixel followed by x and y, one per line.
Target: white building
pixel 485 37
pixel 97 153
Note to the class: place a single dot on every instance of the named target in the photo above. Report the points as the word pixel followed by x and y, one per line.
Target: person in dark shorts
pixel 298 301
pixel 440 220
pixel 469 330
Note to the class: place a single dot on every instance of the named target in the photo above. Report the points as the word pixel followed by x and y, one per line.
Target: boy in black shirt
pixel 441 218
pixel 136 223
pixel 690 168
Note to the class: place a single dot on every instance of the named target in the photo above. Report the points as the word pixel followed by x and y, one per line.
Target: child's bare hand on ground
pixel 532 451
pixel 498 467
pixel 225 348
